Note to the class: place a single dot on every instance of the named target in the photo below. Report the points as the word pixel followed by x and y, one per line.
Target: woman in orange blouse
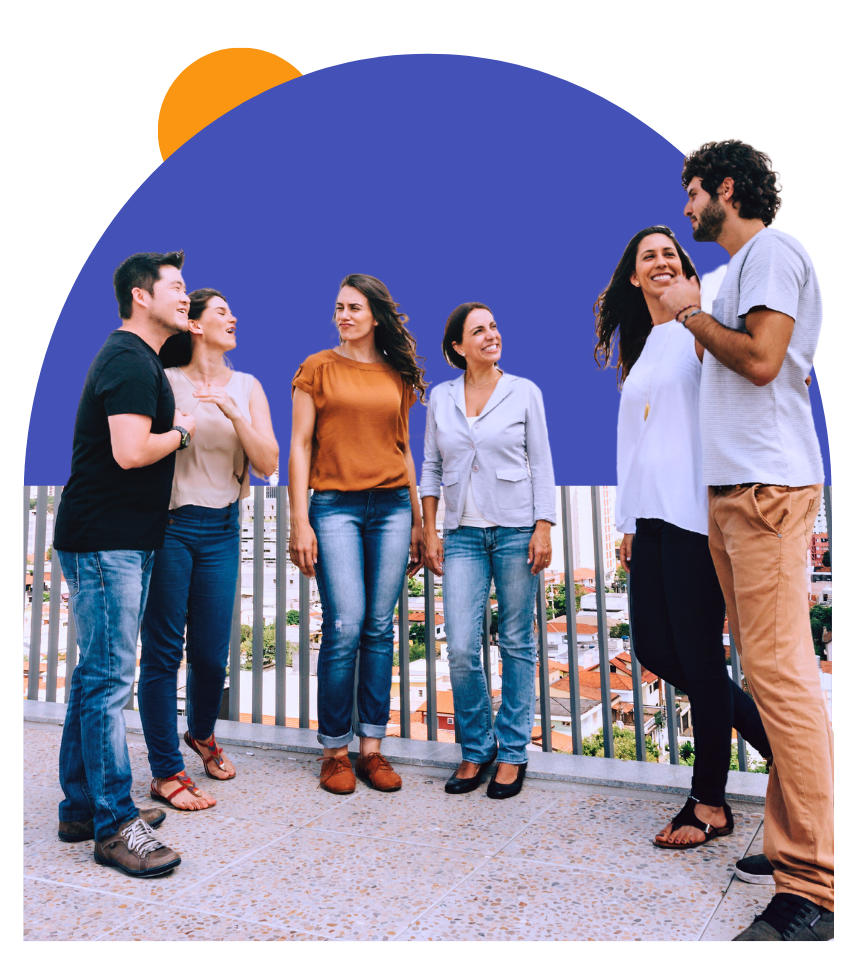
pixel 350 445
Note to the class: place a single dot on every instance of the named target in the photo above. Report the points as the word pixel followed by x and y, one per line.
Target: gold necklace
pixel 483 384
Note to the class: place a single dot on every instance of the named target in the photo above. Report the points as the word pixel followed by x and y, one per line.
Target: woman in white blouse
pixel 487 443
pixel 677 606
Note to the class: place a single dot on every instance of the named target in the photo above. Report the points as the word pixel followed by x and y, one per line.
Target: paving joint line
pixel 728 886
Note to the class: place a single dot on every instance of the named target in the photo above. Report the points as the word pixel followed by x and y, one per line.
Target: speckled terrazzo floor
pixel 280 859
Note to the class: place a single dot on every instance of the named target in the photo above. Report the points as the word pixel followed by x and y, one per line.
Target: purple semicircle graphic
pixel 450 178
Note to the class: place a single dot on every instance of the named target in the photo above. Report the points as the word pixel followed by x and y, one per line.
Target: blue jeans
pixel 107 593
pixel 192 587
pixel 362 552
pixel 472 557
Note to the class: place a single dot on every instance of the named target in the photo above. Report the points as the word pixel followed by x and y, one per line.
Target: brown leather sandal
pixel 686 817
pixel 186 784
pixel 214 755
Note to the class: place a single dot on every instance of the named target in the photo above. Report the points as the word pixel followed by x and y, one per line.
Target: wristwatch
pixel 185 437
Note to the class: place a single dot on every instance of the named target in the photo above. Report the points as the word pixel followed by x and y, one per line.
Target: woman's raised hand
pixel 218 396
pixel 303 547
pixel 433 552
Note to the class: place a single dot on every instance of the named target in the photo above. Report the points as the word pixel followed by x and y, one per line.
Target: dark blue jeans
pixel 192 587
pixel 362 551
pixel 107 592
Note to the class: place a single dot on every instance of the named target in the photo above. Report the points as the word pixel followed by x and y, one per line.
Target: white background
pixel 82 88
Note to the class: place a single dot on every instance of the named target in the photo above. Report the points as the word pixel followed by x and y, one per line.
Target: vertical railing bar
pixel 636 686
pixel 571 621
pixel 736 675
pixel 53 610
pixel 487 654
pixel 304 650
pixel 827 502
pixel 234 650
pixel 38 591
pixel 280 606
pixel 429 638
pixel 603 637
pixel 403 660
pixel 258 608
pixel 672 724
pixel 544 681
pixel 70 652
pixel 26 536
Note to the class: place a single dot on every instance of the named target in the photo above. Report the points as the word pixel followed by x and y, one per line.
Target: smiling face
pixel 169 302
pixel 353 318
pixel 658 264
pixel 481 341
pixel 706 213
pixel 216 326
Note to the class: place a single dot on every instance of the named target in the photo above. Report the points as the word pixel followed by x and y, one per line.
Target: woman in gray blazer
pixel 487 443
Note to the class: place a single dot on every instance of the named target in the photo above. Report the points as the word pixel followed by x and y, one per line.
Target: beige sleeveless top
pixel 214 470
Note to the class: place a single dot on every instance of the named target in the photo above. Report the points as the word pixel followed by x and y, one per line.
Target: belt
pixel 722 490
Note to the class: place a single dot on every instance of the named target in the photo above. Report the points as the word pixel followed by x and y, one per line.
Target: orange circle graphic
pixel 213 85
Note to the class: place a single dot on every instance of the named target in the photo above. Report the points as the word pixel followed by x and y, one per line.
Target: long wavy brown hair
pixel 621 310
pixel 392 337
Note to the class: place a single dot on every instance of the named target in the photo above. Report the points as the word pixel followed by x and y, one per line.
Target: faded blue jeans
pixel 192 589
pixel 107 592
pixel 362 552
pixel 472 557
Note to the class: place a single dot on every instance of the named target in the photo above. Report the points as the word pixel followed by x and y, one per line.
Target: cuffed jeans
pixel 107 593
pixel 759 538
pixel 192 587
pixel 472 557
pixel 362 552
pixel 677 617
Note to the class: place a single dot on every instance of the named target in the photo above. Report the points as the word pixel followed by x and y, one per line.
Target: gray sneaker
pixel 756 869
pixel 71 831
pixel 135 850
pixel 790 918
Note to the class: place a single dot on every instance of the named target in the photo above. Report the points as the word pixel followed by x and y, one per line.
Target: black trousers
pixel 677 616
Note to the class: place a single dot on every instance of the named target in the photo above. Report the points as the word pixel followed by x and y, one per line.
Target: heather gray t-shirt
pixel 766 433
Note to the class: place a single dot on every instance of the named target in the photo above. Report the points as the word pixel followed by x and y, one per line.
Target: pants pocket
pixel 773 505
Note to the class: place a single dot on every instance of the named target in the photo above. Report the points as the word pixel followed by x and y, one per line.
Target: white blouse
pixel 659 458
pixel 471 515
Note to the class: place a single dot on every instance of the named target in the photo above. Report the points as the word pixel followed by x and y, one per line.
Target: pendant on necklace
pixel 646 412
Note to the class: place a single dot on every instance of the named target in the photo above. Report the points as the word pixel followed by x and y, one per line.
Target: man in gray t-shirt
pixel 762 462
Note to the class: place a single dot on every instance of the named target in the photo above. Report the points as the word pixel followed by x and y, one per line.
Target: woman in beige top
pixel 350 444
pixel 194 577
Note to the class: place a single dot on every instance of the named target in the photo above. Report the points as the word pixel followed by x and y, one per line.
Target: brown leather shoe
pixel 71 831
pixel 336 775
pixel 135 850
pixel 376 772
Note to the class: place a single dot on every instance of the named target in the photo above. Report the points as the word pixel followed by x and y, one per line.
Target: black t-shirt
pixel 105 507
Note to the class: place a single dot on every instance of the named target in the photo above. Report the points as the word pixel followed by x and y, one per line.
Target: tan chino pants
pixel 759 537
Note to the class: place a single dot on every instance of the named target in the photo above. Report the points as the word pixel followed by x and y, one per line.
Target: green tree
pixel 825 559
pixel 620 578
pixel 292 618
pixel 557 603
pixel 416 587
pixel 820 616
pixel 624 745
pixel 268 647
pixel 619 631
pixel 579 594
pixel 45 596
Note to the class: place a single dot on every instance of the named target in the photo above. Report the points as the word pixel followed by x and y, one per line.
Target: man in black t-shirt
pixel 111 519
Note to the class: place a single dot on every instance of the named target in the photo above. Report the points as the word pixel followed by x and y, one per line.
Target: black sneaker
pixel 756 869
pixel 790 918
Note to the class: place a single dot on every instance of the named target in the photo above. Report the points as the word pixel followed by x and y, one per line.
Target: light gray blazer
pixel 505 454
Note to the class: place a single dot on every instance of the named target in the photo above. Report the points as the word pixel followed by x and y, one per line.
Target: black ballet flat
pixel 500 791
pixel 462 785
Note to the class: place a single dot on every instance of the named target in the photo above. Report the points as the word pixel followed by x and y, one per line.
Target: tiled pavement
pixel 279 859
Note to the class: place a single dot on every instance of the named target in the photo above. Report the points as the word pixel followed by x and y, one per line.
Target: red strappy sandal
pixel 186 784
pixel 214 755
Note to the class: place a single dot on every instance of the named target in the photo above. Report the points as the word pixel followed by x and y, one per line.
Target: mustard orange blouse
pixel 362 424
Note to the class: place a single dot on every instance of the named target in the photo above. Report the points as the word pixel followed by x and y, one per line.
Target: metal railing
pixel 46 648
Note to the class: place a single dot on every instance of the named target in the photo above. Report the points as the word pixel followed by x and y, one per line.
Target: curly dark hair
pixel 756 187
pixel 392 338
pixel 622 307
pixel 177 350
pixel 453 332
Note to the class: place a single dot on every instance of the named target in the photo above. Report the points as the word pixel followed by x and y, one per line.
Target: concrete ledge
pixel 569 768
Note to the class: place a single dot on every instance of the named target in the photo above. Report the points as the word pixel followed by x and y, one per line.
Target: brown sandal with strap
pixel 185 784
pixel 214 755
